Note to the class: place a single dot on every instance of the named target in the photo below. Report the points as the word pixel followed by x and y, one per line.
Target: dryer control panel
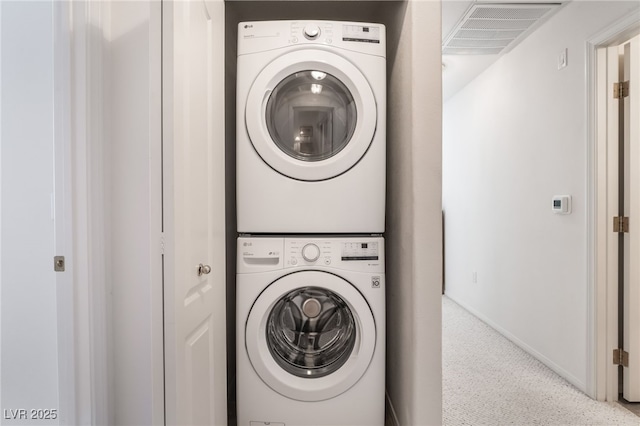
pixel 260 36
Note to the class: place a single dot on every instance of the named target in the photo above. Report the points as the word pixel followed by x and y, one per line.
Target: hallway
pixel 487 380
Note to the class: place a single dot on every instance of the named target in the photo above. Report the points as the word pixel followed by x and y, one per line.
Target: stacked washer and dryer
pixel 311 149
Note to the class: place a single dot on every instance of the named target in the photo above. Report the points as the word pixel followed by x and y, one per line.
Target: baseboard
pixel 528 349
pixel 391 419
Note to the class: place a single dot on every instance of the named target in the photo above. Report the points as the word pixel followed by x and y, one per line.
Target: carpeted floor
pixel 487 380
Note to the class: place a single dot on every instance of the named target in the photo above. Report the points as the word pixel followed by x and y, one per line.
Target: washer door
pixel 311 115
pixel 310 335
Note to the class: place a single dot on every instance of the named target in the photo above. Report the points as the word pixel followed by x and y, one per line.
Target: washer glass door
pixel 310 335
pixel 311 115
pixel 311 332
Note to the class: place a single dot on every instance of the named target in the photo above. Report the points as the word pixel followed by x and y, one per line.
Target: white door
pixel 631 306
pixel 29 384
pixel 194 231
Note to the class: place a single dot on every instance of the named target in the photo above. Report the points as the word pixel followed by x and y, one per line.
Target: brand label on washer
pixel 361 33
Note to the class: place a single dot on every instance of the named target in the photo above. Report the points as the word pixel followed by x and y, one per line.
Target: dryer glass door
pixel 311 115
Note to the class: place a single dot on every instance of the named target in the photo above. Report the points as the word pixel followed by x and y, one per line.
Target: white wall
pixel 29 348
pixel 513 138
pixel 414 238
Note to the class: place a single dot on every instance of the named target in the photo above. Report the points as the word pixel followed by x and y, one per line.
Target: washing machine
pixel 310 331
pixel 311 127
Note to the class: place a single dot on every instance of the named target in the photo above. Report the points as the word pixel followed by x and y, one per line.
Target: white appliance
pixel 310 331
pixel 311 127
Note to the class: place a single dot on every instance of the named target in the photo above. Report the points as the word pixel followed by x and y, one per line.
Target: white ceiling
pixel 459 70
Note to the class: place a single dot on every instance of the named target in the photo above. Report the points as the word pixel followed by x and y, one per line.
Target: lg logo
pixel 248 26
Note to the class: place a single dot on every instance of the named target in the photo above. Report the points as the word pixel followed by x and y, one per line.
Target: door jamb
pixel 602 378
pixel 82 302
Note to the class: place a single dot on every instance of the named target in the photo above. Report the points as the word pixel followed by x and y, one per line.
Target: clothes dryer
pixel 311 129
pixel 310 331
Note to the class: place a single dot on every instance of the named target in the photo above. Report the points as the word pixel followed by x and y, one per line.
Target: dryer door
pixel 310 335
pixel 311 115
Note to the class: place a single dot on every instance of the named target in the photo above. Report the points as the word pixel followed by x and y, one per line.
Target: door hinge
pixel 620 224
pixel 58 263
pixel 620 90
pixel 620 357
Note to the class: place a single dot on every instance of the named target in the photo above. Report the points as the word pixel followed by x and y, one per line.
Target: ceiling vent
pixel 491 29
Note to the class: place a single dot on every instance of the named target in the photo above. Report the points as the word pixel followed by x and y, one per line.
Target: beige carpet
pixel 487 380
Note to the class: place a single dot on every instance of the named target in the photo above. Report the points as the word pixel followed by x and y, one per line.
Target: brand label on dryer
pixel 361 33
pixel 260 31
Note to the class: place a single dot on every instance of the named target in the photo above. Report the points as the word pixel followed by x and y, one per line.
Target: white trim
pixel 610 203
pixel 63 209
pixel 168 237
pixel 155 212
pixel 593 307
pixel 601 308
pixel 0 187
pixel 96 238
pixel 78 258
pixel 87 399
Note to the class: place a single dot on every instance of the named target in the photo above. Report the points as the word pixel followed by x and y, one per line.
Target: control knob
pixel 311 31
pixel 310 252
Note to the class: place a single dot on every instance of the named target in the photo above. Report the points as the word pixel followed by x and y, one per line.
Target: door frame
pixel 602 309
pixel 79 206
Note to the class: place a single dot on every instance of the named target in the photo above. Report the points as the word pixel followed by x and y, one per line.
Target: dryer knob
pixel 311 31
pixel 310 252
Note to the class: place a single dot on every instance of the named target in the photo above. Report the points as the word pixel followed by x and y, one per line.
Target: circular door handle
pixel 203 269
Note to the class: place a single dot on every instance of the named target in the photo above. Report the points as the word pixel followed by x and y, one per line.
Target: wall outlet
pixel 562 59
pixel 474 277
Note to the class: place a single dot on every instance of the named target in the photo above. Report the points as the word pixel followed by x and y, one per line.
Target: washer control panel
pixel 306 252
pixel 357 253
pixel 259 254
pixel 352 251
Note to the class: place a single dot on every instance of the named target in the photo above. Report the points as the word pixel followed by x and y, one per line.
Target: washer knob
pixel 311 31
pixel 310 252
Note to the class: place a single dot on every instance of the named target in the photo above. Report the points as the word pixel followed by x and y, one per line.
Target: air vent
pixel 489 29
